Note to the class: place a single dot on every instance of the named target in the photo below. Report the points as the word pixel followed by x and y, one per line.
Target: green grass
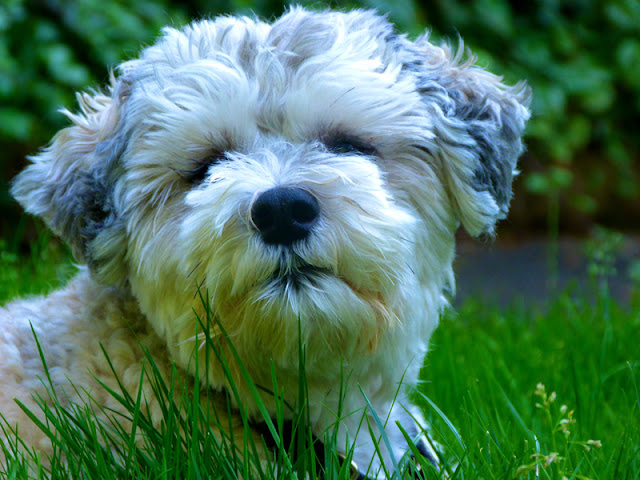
pixel 526 389
pixel 47 265
pixel 511 394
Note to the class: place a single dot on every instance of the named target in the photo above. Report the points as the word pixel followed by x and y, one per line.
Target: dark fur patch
pixel 495 172
pixel 97 201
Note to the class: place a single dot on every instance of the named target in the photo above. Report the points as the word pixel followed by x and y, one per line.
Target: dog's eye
pixel 343 145
pixel 199 172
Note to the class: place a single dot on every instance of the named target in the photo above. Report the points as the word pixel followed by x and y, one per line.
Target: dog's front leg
pixel 378 452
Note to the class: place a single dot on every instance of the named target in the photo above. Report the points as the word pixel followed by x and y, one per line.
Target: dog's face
pixel 309 173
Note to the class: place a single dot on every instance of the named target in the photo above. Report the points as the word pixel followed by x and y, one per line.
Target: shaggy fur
pixel 153 185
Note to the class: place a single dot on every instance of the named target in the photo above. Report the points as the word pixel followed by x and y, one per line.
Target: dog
pixel 307 177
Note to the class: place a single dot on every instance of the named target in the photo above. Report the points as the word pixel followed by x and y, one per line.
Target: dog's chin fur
pixel 153 185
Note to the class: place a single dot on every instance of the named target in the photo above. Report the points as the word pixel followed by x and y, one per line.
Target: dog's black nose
pixel 284 215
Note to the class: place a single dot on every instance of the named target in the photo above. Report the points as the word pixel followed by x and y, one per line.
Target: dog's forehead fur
pixel 306 76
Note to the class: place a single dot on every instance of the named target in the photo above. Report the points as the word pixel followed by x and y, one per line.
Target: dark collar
pixel 288 433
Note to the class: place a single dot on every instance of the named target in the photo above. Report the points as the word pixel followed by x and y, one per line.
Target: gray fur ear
pixel 478 122
pixel 69 183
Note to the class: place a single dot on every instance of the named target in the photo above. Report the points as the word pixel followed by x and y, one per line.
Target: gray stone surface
pixel 506 271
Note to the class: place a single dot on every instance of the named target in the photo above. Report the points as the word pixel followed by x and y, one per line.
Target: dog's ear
pixel 478 124
pixel 68 183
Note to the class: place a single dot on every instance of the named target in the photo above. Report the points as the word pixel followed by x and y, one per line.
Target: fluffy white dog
pixel 309 174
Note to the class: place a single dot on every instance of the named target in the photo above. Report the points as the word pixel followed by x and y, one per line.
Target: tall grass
pixel 510 393
pixel 539 394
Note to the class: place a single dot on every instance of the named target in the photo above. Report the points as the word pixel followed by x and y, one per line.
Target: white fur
pixel 269 97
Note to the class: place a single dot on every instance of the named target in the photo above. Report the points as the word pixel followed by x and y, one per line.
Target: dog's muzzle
pixel 284 215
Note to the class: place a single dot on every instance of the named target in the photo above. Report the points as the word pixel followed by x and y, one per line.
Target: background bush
pixel 582 59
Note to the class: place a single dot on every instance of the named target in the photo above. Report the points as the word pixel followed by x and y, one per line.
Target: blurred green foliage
pixel 581 57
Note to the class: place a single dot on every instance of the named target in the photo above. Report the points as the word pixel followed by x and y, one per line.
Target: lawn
pixel 511 393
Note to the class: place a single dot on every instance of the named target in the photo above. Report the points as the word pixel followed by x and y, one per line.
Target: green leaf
pixel 63 67
pixel 536 182
pixel 16 124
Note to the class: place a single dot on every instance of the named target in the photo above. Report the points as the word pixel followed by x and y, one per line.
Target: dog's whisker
pixel 324 182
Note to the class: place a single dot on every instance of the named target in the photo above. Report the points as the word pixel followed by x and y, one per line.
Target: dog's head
pixel 306 174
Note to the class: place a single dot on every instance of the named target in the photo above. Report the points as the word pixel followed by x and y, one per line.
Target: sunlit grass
pixel 539 395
